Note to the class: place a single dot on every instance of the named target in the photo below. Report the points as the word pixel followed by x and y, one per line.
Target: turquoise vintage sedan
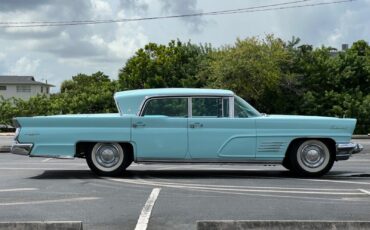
pixel 187 126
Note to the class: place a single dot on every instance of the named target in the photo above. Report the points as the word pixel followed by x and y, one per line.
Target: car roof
pixel 130 101
pixel 174 92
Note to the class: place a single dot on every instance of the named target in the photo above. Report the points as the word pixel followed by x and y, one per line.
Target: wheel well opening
pixel 330 143
pixel 129 149
pixel 82 148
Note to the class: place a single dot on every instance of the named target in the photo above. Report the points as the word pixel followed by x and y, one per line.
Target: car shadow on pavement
pixel 214 173
pixel 194 174
pixel 66 174
pixel 225 174
pixel 165 174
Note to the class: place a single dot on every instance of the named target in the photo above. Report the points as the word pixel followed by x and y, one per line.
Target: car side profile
pixel 182 125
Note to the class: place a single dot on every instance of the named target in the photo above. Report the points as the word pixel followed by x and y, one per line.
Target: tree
pixel 157 66
pixel 337 84
pixel 251 68
pixel 87 94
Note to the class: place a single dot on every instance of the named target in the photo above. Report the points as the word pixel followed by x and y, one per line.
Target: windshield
pixel 243 109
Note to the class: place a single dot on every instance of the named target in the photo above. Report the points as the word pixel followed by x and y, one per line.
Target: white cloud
pixel 25 66
pixel 57 53
pixel 128 38
pixel 2 56
pixel 180 7
pixel 351 25
pixel 100 8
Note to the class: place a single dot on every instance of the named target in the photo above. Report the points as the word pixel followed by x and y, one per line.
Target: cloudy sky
pixel 57 53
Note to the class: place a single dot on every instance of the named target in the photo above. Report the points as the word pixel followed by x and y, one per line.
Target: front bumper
pixel 21 149
pixel 345 150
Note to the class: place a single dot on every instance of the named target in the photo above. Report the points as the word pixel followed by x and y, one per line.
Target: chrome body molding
pixel 53 156
pixel 21 149
pixel 208 161
pixel 345 150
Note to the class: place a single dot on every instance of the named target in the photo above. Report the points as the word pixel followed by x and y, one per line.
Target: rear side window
pixel 210 107
pixel 171 107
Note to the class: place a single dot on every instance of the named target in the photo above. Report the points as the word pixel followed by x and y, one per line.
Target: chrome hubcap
pixel 312 156
pixel 107 156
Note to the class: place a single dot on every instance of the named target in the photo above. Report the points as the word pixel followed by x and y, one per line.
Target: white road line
pixel 39 169
pixel 256 194
pixel 46 160
pixel 364 191
pixel 143 221
pixel 255 187
pixel 18 189
pixel 275 196
pixel 236 190
pixel 359 160
pixel 336 181
pixel 61 162
pixel 49 201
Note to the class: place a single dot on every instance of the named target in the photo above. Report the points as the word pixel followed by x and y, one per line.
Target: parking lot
pixel 33 189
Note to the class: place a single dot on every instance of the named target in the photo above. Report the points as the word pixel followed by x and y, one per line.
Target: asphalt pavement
pixel 40 189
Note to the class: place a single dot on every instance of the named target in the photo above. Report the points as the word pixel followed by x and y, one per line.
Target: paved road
pixel 48 189
pixel 6 140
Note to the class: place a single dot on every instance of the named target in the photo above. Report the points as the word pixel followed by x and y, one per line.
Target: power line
pixel 261 8
pixel 182 15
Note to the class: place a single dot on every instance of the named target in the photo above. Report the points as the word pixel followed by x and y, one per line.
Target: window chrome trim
pixel 190 107
pixel 213 96
pixel 231 107
pixel 147 98
pixel 160 97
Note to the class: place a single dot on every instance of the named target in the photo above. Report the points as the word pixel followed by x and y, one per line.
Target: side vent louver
pixel 270 146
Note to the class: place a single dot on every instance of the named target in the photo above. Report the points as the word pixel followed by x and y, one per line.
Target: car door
pixel 160 132
pixel 215 135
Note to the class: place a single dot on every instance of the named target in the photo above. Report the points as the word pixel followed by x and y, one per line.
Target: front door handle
pixel 138 124
pixel 196 125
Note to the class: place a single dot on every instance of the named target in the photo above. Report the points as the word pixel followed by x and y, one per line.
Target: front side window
pixel 171 107
pixel 243 109
pixel 210 107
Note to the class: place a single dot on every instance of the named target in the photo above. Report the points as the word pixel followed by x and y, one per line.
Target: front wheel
pixel 311 158
pixel 107 159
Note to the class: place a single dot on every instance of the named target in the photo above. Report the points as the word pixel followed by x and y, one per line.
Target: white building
pixel 22 87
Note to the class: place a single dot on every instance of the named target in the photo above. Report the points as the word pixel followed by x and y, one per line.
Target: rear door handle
pixel 138 124
pixel 196 125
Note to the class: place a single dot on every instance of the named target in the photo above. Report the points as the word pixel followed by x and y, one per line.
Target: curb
pixel 280 224
pixel 361 136
pixel 42 225
pixel 7 134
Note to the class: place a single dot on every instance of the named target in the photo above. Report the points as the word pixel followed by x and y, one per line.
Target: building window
pixel 2 87
pixel 23 88
pixel 42 89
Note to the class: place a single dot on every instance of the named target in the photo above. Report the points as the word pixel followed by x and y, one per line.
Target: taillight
pixel 17 134
pixel 16 123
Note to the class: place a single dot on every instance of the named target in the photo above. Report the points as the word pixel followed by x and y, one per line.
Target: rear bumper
pixel 345 150
pixel 21 149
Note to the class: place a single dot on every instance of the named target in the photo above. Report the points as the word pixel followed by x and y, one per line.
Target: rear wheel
pixel 107 159
pixel 310 158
